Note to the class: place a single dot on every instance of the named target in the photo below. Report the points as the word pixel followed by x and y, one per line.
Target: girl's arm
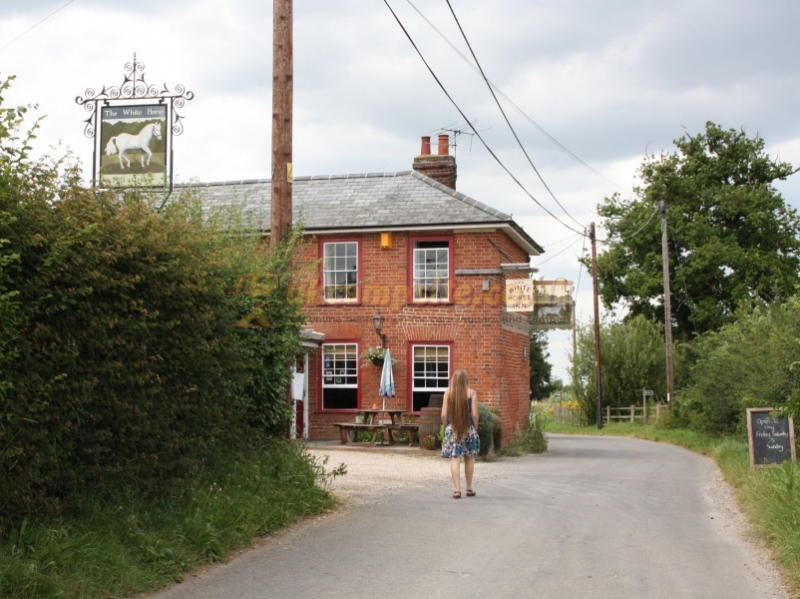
pixel 444 409
pixel 475 408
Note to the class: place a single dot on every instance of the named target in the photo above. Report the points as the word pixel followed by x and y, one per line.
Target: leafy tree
pixel 541 371
pixel 632 355
pixel 732 238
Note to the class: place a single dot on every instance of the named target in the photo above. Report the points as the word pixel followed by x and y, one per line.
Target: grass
pixel 770 497
pixel 123 543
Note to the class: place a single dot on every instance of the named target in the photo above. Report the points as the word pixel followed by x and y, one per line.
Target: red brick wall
pixel 488 350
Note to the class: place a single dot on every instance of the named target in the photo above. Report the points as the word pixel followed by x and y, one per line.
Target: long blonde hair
pixel 457 403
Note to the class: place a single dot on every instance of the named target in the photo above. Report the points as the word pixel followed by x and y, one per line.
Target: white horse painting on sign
pixel 549 313
pixel 125 142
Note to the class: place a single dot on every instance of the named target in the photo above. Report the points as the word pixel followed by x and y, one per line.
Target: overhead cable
pixel 503 112
pixel 517 108
pixel 477 134
pixel 37 24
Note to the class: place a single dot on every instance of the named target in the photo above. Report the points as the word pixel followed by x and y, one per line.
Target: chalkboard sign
pixel 771 439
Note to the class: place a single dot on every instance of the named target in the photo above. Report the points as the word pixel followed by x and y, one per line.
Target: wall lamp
pixel 377 322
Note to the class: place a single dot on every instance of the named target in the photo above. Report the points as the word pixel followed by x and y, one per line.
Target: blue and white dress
pixel 468 446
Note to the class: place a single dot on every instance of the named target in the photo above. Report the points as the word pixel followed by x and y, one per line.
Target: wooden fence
pixel 633 413
pixel 565 415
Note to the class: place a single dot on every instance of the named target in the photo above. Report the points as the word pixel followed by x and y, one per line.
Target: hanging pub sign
pixel 519 295
pixel 553 305
pixel 132 126
pixel 553 293
pixel 559 316
pixel 133 140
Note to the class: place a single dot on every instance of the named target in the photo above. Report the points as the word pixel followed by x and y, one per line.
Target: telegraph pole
pixel 597 368
pixel 667 303
pixel 282 95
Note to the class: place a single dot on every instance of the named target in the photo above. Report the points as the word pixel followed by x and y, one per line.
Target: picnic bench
pixel 348 431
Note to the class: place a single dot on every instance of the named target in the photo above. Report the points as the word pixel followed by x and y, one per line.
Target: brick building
pixel 432 261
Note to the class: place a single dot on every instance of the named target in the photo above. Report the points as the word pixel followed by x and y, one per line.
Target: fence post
pixel 644 405
pixel 608 414
pixel 633 412
pixel 658 412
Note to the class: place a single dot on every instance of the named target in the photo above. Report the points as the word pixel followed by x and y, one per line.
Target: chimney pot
pixel 426 146
pixel 442 167
pixel 444 145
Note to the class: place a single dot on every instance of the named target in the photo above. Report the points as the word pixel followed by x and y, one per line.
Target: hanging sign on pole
pixel 132 125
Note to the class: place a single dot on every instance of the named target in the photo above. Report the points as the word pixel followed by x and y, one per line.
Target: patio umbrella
pixel 386 388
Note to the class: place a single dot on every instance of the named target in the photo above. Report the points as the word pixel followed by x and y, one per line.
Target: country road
pixel 595 517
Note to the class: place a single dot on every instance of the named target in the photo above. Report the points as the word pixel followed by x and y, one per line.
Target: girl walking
pixel 460 418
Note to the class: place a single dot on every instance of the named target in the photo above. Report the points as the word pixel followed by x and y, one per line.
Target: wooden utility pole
pixel 282 95
pixel 597 369
pixel 667 303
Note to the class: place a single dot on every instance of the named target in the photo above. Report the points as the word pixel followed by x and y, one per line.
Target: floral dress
pixel 468 446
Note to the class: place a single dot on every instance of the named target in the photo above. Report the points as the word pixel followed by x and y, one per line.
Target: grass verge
pixel 123 543
pixel 770 497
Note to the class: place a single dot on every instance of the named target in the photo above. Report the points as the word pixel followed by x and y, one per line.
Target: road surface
pixel 595 517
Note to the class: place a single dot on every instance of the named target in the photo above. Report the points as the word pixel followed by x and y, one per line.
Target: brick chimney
pixel 441 167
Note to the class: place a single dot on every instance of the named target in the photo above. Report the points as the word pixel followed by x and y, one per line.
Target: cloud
pixel 609 80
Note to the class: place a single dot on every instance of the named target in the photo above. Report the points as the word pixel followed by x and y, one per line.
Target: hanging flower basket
pixel 376 355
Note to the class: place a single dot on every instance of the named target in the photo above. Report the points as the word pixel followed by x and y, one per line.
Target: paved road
pixel 593 518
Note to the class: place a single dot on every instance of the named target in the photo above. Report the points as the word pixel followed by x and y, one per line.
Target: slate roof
pixel 367 201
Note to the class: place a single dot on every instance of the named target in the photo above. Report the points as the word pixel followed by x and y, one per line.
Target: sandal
pixel 470 493
pixel 456 494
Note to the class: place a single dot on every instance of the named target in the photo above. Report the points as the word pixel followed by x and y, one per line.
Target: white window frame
pixel 331 270
pixel 446 379
pixel 427 277
pixel 340 371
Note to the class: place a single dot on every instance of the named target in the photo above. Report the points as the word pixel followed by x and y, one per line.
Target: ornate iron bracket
pixel 134 87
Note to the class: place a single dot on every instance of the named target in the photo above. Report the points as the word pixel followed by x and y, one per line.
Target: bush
pixel 120 357
pixel 485 428
pixel 529 440
pixel 633 356
pixel 748 363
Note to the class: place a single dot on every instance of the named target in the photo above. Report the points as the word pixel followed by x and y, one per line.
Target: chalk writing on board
pixel 771 438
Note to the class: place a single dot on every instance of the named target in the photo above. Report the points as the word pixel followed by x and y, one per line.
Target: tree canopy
pixel 732 238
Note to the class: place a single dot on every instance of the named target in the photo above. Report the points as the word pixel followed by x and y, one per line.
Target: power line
pixel 571 245
pixel 477 134
pixel 503 112
pixel 37 24
pixel 635 233
pixel 517 108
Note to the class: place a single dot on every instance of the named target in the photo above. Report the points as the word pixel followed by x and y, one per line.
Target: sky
pixel 612 82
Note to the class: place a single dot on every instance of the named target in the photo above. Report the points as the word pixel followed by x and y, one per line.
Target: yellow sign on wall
pixel 519 295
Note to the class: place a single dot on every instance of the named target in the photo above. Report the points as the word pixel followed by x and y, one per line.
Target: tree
pixel 541 369
pixel 732 238
pixel 633 356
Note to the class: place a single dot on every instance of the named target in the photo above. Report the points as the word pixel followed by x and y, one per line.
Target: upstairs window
pixel 431 277
pixel 340 271
pixel 340 376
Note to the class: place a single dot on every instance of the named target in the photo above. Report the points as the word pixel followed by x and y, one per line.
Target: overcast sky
pixel 610 81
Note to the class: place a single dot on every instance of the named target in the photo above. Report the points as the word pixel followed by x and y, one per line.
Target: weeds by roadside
pixel 529 440
pixel 123 542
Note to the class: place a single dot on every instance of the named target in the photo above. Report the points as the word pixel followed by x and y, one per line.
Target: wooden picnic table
pixel 371 423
